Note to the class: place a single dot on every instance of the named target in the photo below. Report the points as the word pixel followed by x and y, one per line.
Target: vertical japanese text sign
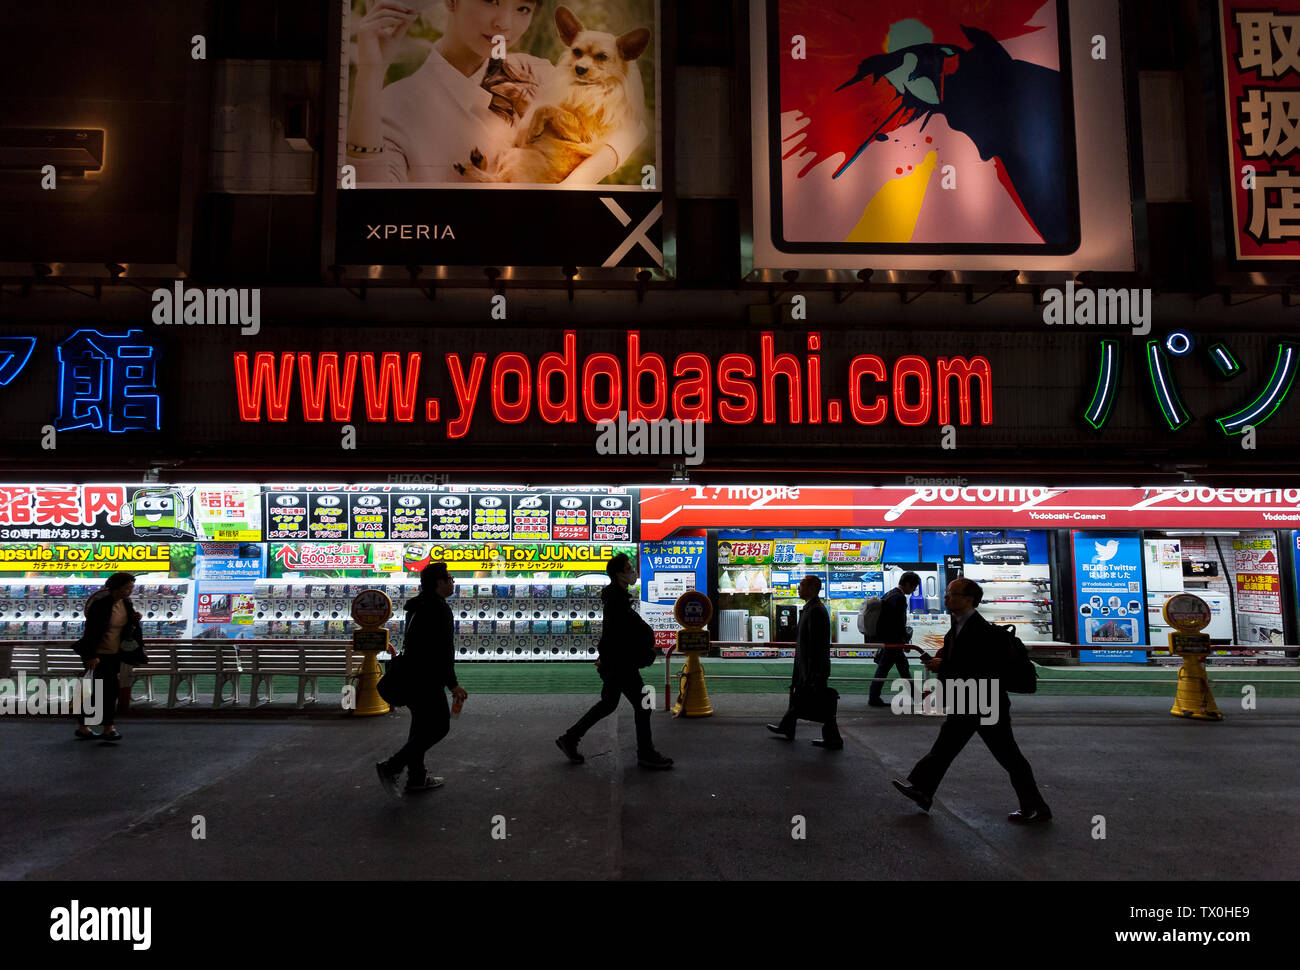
pixel 1261 80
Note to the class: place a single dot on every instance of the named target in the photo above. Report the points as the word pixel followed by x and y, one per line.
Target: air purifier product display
pixel 760 629
pixel 731 625
pixel 933 595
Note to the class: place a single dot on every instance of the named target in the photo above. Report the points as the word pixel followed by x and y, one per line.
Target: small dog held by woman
pixel 595 92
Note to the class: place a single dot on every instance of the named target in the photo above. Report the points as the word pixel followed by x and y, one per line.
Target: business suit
pixel 977 652
pixel 891 627
pixel 812 666
pixel 430 649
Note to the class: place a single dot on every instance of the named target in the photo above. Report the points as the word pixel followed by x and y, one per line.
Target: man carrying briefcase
pixel 810 697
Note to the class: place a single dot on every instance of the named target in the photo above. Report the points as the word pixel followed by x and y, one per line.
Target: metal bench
pixel 55 659
pixel 187 660
pixel 307 660
pixel 182 661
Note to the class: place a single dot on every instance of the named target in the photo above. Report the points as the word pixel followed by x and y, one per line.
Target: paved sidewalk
pixel 297 798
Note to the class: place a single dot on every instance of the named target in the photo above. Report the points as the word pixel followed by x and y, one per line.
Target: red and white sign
pixel 60 511
pixel 1261 87
pixel 666 509
pixel 1259 588
pixel 215 607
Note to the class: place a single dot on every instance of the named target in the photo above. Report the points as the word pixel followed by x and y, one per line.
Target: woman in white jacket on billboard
pixel 417 129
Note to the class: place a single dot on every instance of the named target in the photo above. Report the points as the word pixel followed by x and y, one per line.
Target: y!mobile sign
pixel 664 510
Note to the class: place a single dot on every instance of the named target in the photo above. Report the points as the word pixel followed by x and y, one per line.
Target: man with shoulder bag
pixel 427 670
pixel 811 698
pixel 891 628
pixel 976 651
pixel 626 645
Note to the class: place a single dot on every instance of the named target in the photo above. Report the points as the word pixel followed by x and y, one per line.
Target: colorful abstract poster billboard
pixel 1261 85
pixel 990 135
pixel 501 134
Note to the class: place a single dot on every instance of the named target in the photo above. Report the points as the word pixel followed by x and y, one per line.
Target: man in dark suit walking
pixel 973 651
pixel 891 627
pixel 812 665
pixel 429 645
pixel 624 634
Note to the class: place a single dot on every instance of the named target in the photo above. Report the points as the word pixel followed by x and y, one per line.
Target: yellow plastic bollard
pixel 371 608
pixel 1188 614
pixel 693 610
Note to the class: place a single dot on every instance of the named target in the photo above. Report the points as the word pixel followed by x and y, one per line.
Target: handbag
pixel 649 653
pixel 131 651
pixel 395 686
pixel 814 703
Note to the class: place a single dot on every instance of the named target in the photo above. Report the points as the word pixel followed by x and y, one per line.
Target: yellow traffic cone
pixel 368 701
pixel 692 691
pixel 1194 698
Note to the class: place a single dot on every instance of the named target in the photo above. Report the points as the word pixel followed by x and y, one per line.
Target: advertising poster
pixel 1259 589
pixel 214 608
pixel 329 517
pixel 669 569
pixel 224 575
pixel 96 512
pixel 394 514
pixel 491 134
pixel 800 552
pixel 948 127
pixel 854 569
pixel 856 551
pixel 1261 87
pixel 228 513
pixel 744 566
pixel 1108 589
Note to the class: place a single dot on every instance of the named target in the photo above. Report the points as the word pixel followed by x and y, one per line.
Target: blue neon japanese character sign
pixel 107 382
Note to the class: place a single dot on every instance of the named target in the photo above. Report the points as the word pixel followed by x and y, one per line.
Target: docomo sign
pixel 739 388
pixel 665 509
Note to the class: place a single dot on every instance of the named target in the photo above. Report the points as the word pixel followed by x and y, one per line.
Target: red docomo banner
pixel 564 386
pixel 665 510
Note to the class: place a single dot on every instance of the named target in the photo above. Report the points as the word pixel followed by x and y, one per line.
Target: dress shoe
pixel 1022 817
pixel 828 745
pixel 876 704
pixel 915 794
pixel 777 729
